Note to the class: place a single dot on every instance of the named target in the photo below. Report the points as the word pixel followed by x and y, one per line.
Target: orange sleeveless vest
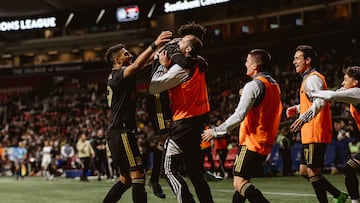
pixel 242 134
pixel 190 98
pixel 319 129
pixel 259 128
pixel 356 115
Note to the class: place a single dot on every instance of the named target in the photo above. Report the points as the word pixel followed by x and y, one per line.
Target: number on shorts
pixel 109 95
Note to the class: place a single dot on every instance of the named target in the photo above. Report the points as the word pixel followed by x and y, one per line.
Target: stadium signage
pixel 46 69
pixel 27 24
pixel 189 4
pixel 128 13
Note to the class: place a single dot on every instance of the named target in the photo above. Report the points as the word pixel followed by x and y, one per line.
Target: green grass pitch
pixel 63 190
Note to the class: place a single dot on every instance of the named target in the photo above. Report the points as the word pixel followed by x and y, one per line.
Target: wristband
pixel 153 46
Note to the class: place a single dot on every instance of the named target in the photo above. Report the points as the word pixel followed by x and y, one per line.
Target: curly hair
pixel 192 28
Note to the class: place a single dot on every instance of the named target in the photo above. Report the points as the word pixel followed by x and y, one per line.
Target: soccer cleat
pixel 342 198
pixel 211 177
pixel 158 192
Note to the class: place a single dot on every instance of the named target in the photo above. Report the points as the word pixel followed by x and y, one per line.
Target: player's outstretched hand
pixel 296 125
pixel 207 135
pixel 163 37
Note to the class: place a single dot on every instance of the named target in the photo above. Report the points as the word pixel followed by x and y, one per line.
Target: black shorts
pixel 247 163
pixel 187 132
pixel 353 162
pixel 312 155
pixel 356 156
pixel 125 151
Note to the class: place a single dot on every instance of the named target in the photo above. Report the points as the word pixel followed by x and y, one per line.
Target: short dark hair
pixel 262 58
pixel 196 45
pixel 354 72
pixel 112 52
pixel 309 52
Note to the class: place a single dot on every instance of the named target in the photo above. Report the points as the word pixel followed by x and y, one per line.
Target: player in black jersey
pixel 121 130
pixel 160 117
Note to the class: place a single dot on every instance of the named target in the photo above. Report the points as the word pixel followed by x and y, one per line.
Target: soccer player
pixel 159 103
pixel 349 93
pixel 259 112
pixel 314 122
pixel 121 130
pixel 184 78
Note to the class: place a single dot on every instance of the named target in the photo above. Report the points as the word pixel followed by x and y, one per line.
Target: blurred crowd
pixel 47 123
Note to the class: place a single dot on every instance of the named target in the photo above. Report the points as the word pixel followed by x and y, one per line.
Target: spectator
pixel 85 153
pixel 46 159
pixel 20 155
pixel 67 153
pixel 101 160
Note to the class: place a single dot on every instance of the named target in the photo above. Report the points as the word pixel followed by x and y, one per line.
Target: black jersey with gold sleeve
pixel 121 94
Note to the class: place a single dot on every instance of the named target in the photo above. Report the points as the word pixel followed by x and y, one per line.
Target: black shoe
pixel 158 192
pixel 210 177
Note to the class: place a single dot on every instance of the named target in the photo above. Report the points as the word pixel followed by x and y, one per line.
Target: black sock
pixel 253 194
pixel 319 188
pixel 351 181
pixel 238 198
pixel 138 193
pixel 115 192
pixel 330 188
